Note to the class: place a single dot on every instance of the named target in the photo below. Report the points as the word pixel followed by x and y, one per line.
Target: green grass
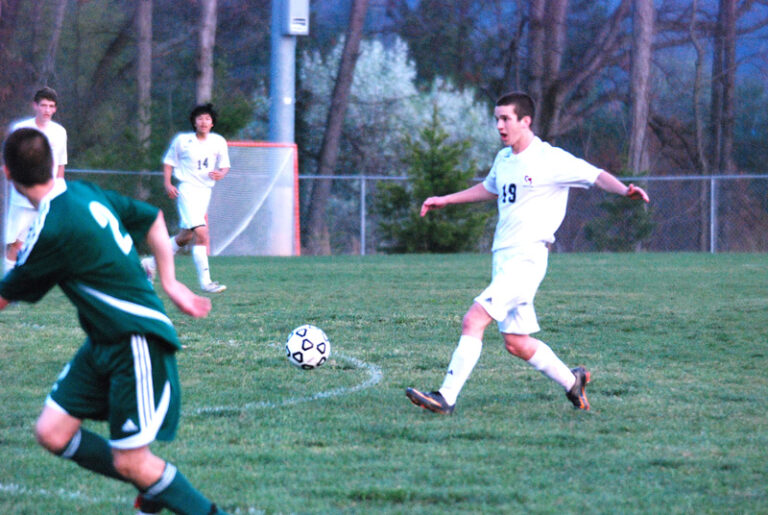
pixel 676 344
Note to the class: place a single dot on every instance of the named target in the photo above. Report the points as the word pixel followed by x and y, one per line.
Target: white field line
pixel 23 491
pixel 374 377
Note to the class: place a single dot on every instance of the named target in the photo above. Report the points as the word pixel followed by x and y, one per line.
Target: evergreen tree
pixel 623 227
pixel 433 169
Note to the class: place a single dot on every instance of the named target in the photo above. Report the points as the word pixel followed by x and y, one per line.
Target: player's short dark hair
pixel 28 156
pixel 46 93
pixel 202 109
pixel 523 104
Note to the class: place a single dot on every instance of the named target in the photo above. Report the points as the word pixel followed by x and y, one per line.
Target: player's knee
pixel 467 324
pixel 129 466
pixel 201 236
pixel 126 467
pixel 51 437
pixel 520 345
pixel 139 466
pixel 475 321
pixel 184 237
pixel 512 345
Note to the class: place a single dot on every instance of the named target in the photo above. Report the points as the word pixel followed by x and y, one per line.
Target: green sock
pixel 178 495
pixel 91 452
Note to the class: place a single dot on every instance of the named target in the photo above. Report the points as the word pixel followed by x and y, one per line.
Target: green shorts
pixel 133 384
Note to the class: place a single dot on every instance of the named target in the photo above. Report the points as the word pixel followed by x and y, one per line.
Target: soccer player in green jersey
pixel 125 372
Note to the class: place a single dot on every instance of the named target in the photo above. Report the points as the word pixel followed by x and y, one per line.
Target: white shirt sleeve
pixel 171 156
pixel 223 158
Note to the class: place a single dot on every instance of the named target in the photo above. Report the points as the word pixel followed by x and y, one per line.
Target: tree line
pixel 637 86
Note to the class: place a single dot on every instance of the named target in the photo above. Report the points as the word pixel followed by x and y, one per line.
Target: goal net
pixel 254 210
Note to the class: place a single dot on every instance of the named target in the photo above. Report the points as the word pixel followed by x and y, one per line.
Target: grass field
pixel 676 344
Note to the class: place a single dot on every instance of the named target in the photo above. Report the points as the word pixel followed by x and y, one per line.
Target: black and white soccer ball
pixel 307 347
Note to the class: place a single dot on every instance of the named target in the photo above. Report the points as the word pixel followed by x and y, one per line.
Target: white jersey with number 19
pixel 532 189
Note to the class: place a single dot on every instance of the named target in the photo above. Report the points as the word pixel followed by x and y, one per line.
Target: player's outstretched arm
pixel 611 184
pixel 159 242
pixel 475 193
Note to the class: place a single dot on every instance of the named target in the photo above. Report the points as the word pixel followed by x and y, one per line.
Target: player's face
pixel 511 129
pixel 203 123
pixel 44 110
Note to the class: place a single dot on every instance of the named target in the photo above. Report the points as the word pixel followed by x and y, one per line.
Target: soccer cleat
pixel 146 506
pixel 214 287
pixel 578 394
pixel 150 267
pixel 433 401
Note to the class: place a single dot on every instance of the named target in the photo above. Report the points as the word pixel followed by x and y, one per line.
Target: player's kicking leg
pixel 463 361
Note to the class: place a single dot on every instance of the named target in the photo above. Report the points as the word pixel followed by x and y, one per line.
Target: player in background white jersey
pixel 529 180
pixel 197 160
pixel 20 212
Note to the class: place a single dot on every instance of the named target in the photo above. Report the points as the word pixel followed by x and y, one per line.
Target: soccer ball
pixel 307 347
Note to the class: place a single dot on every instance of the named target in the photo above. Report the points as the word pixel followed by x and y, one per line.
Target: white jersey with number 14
pixel 193 159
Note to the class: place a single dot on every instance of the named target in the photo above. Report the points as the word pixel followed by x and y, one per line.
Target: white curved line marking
pixel 20 490
pixel 15 489
pixel 374 377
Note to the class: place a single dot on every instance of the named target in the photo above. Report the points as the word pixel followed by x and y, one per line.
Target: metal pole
pixel 362 216
pixel 282 85
pixel 712 216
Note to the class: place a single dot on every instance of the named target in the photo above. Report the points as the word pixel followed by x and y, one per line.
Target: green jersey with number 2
pixel 83 240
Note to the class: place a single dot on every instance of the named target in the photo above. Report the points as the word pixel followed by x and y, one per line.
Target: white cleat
pixel 214 287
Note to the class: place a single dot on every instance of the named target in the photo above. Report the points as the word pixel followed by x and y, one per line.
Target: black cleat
pixel 433 401
pixel 577 394
pixel 146 506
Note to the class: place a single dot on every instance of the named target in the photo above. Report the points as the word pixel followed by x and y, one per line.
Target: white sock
pixel 174 246
pixel 8 265
pixel 200 257
pixel 463 361
pixel 546 361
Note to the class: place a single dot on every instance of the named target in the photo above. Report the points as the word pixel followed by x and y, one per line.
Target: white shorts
pixel 192 204
pixel 517 274
pixel 18 221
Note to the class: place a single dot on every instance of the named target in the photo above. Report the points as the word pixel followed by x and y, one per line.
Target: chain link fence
pixel 685 212
pixel 725 213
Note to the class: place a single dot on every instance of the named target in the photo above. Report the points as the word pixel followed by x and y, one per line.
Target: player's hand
pixel 637 193
pixel 171 190
pixel 187 302
pixel 432 203
pixel 216 175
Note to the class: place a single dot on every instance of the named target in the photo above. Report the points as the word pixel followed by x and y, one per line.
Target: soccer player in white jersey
pixel 197 160
pixel 529 180
pixel 20 212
